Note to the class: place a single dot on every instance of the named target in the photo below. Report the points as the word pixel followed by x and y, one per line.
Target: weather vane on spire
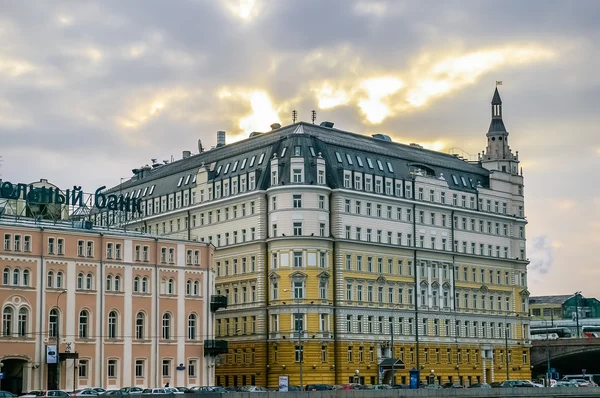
pixel 498 83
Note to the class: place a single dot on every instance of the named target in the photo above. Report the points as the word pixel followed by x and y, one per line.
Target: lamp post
pixel 506 344
pixel 58 341
pixel 577 311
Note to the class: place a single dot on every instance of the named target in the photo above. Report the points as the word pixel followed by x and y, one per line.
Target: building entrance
pixel 13 375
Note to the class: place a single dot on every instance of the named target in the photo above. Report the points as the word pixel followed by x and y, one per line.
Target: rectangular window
pixel 166 367
pixel 297 229
pixel 112 368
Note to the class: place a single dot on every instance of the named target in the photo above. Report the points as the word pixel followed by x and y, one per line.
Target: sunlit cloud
pixel 377 90
pixel 64 20
pixel 143 111
pixel 330 97
pixel 598 151
pixel 14 67
pixel 456 71
pixel 263 113
pixel 245 10
pixel 371 7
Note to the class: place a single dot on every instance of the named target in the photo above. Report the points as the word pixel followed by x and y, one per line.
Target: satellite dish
pixel 200 147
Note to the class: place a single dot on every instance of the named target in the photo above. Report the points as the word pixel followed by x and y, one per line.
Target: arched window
pixel 26 277
pixel 170 286
pixel 196 288
pixel 6 276
pixel 59 279
pixel 83 324
pixel 108 283
pixel 112 325
pixel 117 283
pixel 50 279
pixel 22 327
pixel 144 285
pixel 16 277
pixel 136 284
pixel 188 287
pixel 166 326
pixel 7 320
pixel 80 281
pixel 192 327
pixel 139 326
pixel 88 282
pixel 52 323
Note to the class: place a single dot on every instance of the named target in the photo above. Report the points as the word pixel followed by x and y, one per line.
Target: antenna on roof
pixel 314 116
pixel 294 116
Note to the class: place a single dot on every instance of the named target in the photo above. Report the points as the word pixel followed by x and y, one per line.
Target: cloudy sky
pixel 90 90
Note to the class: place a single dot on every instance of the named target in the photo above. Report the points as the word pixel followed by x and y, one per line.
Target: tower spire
pixel 498 155
pixel 497 124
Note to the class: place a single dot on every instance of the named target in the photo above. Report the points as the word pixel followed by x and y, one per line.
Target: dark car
pixel 132 390
pixel 496 384
pixel 6 394
pixel 480 385
pixel 184 390
pixel 318 387
pixel 116 392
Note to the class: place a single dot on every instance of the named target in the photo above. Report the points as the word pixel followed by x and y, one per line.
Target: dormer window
pixel 349 159
pixel 219 170
pixel 252 161
pixel 297 151
pixel 151 190
pixel 464 182
pixel 369 163
pixel 297 175
pixel 262 157
pixel 454 179
pixel 312 151
pixel 338 157
pixel 390 168
pixel 283 151
pixel 145 191
pixel 380 165
pixel 235 165
pixel 179 182
pixel 226 169
pixel 359 161
pixel 243 165
pixel 187 179
pixel 274 179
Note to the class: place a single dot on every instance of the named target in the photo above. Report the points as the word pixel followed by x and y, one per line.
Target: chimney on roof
pixel 275 126
pixel 220 139
pixel 187 154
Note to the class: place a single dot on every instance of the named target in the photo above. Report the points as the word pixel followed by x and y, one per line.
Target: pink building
pixel 128 309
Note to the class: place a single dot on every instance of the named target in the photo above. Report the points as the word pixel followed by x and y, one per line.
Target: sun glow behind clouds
pixel 263 113
pixel 378 89
pixel 329 97
pixel 246 10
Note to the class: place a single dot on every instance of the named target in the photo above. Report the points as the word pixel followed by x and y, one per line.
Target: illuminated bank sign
pixel 71 197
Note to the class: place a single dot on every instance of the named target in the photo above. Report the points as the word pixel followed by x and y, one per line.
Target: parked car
pixel 184 390
pixel 480 385
pixel 351 386
pixel 496 384
pixel 430 386
pixel 378 387
pixel 45 393
pixel 205 389
pixel 116 392
pixel 6 394
pixel 154 391
pixel 532 383
pixel 99 390
pixel 452 385
pixel 132 390
pixel 173 390
pixel 317 387
pixel 231 389
pixel 515 383
pixel 562 384
pixel 252 389
pixel 84 392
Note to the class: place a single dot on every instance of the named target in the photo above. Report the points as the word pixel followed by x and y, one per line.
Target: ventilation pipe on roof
pixel 220 139
pixel 327 124
pixel 186 154
pixel 416 145
pixel 275 126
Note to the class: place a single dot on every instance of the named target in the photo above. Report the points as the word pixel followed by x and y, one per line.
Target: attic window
pixel 234 168
pixel 226 168
pixel 283 152
pixel 463 181
pixel 219 170
pixel 389 166
pixel 194 179
pixel 179 183
pixel 297 151
pixel 472 183
pixel 359 161
pixel 349 158
pixel 252 161
pixel 145 191
pixel 151 190
pixel 312 151
pixel 187 179
pixel 379 164
pixel 454 179
pixel 127 195
pixel 369 163
pixel 262 157
pixel 138 193
pixel 243 164
pixel 338 157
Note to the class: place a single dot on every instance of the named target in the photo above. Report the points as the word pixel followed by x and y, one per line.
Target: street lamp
pixel 577 311
pixel 58 341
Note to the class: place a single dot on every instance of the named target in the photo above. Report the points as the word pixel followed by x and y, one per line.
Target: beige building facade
pixel 340 253
pixel 122 309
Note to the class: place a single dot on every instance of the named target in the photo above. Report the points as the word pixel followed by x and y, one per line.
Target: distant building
pixel 122 308
pixel 564 307
pixel 330 242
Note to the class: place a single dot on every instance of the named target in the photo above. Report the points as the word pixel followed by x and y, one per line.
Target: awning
pixel 387 364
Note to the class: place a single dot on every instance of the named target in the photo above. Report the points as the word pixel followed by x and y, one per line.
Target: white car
pixel 173 390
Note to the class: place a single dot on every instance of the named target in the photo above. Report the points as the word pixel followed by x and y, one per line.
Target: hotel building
pixel 124 308
pixel 352 253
